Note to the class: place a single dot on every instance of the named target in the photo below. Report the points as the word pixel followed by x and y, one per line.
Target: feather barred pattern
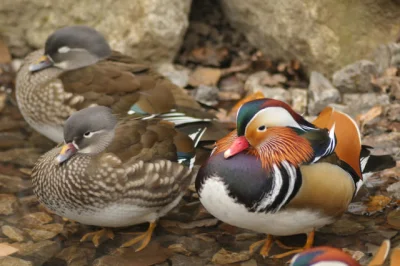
pixel 286 181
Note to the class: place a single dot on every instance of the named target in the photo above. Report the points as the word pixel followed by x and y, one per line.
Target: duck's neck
pixel 41 97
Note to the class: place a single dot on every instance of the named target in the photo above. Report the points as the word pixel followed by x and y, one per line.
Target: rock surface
pixel 8 204
pixel 361 103
pixel 355 77
pixel 149 30
pixel 257 82
pixel 308 31
pixel 321 93
pixel 12 233
pixel 11 261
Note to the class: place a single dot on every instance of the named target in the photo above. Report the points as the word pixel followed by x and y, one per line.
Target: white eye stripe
pixel 88 134
pixel 64 49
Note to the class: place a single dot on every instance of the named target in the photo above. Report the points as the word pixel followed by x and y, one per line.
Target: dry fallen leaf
pixel 152 254
pixel 205 76
pixel 226 257
pixel 189 225
pixel 368 116
pixel 179 248
pixel 377 203
pixel 273 80
pixel 6 249
pixel 357 255
pixel 5 56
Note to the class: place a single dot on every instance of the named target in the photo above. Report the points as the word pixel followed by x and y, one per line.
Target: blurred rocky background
pixel 309 54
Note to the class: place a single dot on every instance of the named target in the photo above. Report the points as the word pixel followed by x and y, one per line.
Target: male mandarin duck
pixel 115 172
pixel 281 175
pixel 328 256
pixel 78 69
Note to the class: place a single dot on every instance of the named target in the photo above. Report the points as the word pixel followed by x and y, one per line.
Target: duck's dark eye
pixel 87 134
pixel 262 128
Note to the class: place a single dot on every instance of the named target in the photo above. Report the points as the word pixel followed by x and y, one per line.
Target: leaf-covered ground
pixel 218 67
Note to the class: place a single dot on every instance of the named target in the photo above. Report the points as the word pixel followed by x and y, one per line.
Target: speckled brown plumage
pixel 48 97
pixel 77 69
pixel 135 179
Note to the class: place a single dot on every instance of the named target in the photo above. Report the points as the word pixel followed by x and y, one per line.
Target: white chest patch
pixel 214 196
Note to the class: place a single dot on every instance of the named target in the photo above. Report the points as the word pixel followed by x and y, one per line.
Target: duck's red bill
pixel 239 145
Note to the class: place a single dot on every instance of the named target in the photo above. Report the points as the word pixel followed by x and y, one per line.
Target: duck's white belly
pixel 113 216
pixel 214 197
pixel 117 214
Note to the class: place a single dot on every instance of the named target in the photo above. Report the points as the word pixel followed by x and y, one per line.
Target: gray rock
pixel 299 100
pixel 394 190
pixel 194 245
pixel 149 30
pixel 206 94
pixel 308 31
pixel 361 103
pixel 13 233
pixel 321 93
pixel 44 232
pixel 39 252
pixel 342 227
pixel 277 93
pixel 355 77
pixel 254 83
pixel 182 260
pixel 387 55
pixel 8 204
pixel 11 261
pixel 340 107
pixel 251 262
pixel 179 75
pixel 77 256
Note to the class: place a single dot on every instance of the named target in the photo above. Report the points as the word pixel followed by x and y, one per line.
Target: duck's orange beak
pixel 66 152
pixel 239 145
pixel 42 63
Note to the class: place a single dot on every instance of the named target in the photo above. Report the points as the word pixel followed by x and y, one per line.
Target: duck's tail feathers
pixel 374 163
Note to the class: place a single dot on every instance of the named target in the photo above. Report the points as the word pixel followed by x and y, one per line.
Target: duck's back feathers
pixel 348 137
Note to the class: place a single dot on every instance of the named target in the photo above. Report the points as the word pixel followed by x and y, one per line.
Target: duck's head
pixel 88 131
pixel 260 120
pixel 72 47
pixel 323 256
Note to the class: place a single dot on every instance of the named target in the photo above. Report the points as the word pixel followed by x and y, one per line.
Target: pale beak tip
pixel 227 153
pixel 59 160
